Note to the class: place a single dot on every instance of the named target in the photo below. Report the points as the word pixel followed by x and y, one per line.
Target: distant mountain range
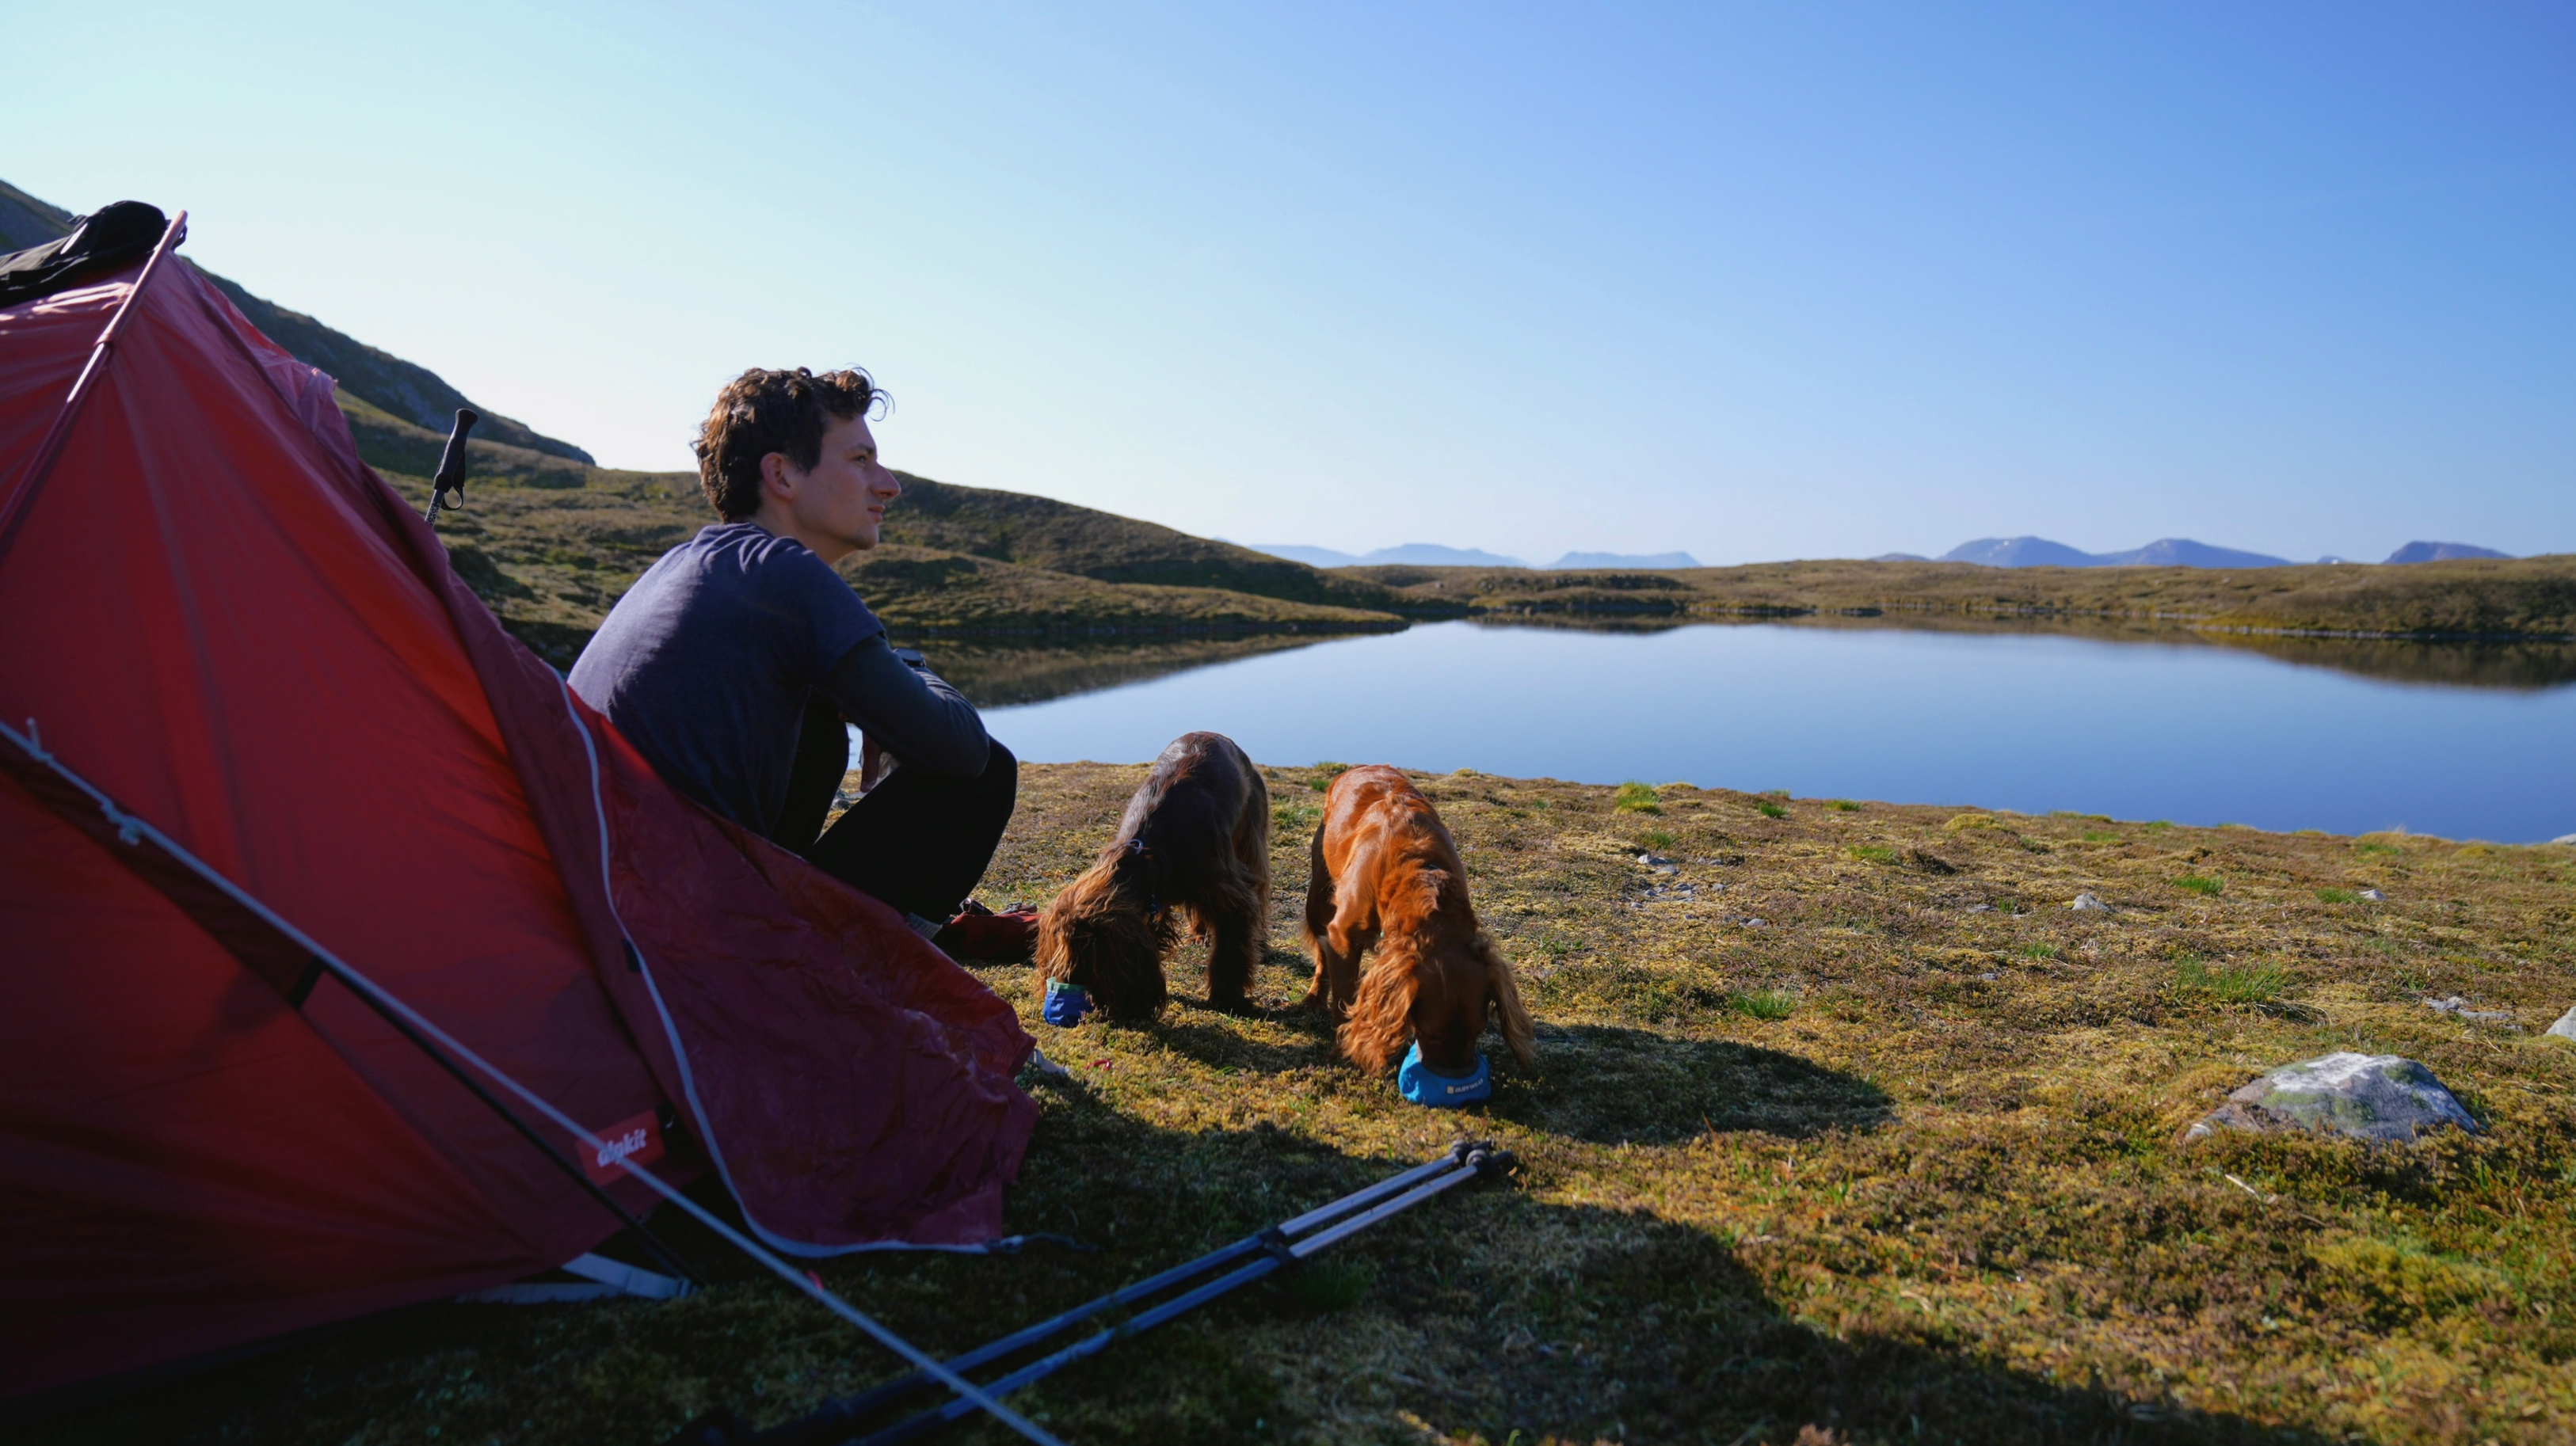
pixel 2441 552
pixel 2164 552
pixel 1626 559
pixel 1432 554
pixel 407 390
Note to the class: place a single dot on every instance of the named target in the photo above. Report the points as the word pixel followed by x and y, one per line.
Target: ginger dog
pixel 1195 837
pixel 1387 875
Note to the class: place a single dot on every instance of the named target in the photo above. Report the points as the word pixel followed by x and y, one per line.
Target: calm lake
pixel 2459 741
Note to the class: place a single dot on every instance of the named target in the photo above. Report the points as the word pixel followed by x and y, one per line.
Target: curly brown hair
pixel 765 411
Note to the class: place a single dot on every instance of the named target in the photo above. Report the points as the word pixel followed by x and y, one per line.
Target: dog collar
pixel 1065 1003
pixel 1426 1086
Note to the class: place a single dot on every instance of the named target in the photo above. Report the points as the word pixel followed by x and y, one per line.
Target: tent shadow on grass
pixel 1483 1312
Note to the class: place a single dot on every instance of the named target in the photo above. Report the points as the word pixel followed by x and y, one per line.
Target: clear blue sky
pixel 1755 281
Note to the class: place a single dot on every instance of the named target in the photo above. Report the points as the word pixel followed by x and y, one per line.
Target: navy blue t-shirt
pixel 706 663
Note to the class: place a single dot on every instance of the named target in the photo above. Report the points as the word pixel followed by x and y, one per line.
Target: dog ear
pixel 1055 946
pixel 1122 959
pixel 1381 1019
pixel 1510 1013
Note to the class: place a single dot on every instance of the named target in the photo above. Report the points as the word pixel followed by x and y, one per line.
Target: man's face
pixel 837 508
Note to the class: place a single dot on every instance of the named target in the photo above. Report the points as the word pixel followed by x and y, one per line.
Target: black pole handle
pixel 451 469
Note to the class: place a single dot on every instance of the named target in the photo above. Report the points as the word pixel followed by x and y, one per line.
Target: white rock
pixel 2565 838
pixel 2374 895
pixel 2565 1028
pixel 2087 904
pixel 2383 1097
pixel 2459 1008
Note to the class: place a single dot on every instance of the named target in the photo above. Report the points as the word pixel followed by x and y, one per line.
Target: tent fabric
pixel 218 614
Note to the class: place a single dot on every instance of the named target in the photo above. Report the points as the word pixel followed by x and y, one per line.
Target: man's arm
pixel 910 712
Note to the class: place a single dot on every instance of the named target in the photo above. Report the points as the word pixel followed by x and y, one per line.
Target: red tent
pixel 216 616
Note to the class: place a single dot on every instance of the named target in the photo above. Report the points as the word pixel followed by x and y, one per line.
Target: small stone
pixel 1659 863
pixel 2565 838
pixel 2382 1097
pixel 1981 908
pixel 2565 1028
pixel 1757 923
pixel 2087 904
pixel 2459 1008
pixel 2373 895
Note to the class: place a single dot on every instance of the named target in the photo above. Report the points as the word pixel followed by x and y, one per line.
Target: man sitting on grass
pixel 732 663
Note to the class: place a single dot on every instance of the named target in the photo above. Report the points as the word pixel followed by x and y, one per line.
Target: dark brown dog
pixel 1386 875
pixel 1196 837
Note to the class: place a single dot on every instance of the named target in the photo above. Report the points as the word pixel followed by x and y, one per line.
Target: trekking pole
pixel 832 1423
pixel 451 469
pixel 829 1424
pixel 1471 1161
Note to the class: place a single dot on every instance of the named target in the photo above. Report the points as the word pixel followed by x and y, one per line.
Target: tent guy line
pixel 133 830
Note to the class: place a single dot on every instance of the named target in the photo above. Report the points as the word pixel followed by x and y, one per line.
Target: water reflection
pixel 2137 722
pixel 1007 672
pixel 2517 666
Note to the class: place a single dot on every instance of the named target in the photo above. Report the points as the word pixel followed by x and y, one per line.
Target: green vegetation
pixel 2042 950
pixel 1635 797
pixel 2202 884
pixel 2095 835
pixel 1658 839
pixel 1289 816
pixel 2258 983
pixel 1763 1003
pixel 2337 896
pixel 1939 1200
pixel 2271 607
pixel 1768 809
pixel 1842 805
pixel 1873 853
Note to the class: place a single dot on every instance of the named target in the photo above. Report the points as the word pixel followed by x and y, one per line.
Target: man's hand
pixel 875 764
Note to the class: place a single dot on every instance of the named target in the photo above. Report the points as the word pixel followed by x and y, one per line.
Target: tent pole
pixel 133 830
pixel 13 510
pixel 662 1252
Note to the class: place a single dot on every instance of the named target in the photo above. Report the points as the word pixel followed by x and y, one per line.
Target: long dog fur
pixel 1387 876
pixel 1195 837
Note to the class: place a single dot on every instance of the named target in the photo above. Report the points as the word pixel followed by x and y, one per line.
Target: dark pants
pixel 917 841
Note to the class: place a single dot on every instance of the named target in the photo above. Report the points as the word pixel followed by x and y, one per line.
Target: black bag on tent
pixel 113 236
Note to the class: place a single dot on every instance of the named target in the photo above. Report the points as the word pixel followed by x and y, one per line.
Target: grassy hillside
pixel 551 544
pixel 1902 1163
pixel 2516 598
pixel 400 388
pixel 1060 537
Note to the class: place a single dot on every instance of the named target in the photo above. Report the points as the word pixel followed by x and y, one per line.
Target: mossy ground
pixel 1887 1167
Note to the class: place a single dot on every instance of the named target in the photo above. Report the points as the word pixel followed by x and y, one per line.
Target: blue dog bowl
pixel 1426 1086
